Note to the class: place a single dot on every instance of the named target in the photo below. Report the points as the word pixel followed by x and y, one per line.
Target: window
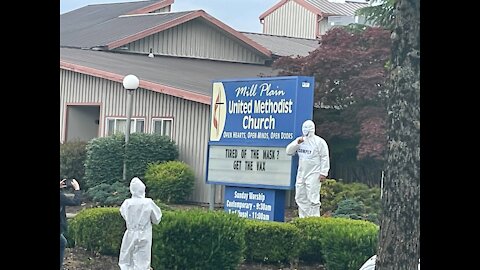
pixel 118 125
pixel 162 126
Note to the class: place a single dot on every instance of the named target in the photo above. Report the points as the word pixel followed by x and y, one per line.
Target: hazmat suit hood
pixel 308 128
pixel 137 188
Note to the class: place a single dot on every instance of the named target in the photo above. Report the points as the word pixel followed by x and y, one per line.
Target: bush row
pixel 169 182
pixel 105 156
pixel 100 160
pixel 200 239
pixel 151 157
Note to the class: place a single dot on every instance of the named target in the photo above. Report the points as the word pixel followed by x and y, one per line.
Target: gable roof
pixel 91 15
pixel 117 29
pixel 283 45
pixel 323 8
pixel 124 29
pixel 186 78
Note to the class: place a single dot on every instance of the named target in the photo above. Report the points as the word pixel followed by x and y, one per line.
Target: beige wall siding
pixel 190 119
pixel 291 20
pixel 196 39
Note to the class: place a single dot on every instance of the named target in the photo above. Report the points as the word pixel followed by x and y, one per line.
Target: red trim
pixel 310 7
pixel 83 103
pixel 186 18
pixel 303 3
pixel 123 117
pixel 152 7
pixel 173 124
pixel 160 88
pixel 65 116
pixel 272 9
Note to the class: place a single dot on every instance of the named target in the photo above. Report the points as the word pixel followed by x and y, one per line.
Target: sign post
pixel 252 121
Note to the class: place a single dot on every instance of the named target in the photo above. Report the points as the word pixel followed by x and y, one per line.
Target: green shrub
pixel 271 242
pixel 171 182
pixel 104 163
pixel 109 195
pixel 198 239
pixel 72 160
pixel 144 149
pixel 310 233
pixel 339 243
pixel 328 192
pixel 333 192
pixel 98 230
pixel 350 208
pixel 348 243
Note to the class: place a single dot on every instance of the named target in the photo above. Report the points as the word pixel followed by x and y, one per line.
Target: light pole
pixel 130 82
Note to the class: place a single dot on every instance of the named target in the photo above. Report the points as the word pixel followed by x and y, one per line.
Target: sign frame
pixel 294 106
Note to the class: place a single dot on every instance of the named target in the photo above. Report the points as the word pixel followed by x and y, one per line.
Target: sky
pixel 241 15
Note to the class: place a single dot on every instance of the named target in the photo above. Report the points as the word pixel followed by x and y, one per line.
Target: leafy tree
pixel 380 13
pixel 350 71
pixel 399 242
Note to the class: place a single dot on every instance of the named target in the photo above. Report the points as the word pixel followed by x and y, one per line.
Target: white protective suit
pixel 370 264
pixel 313 161
pixel 139 214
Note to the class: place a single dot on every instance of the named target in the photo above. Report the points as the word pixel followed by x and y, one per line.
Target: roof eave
pixel 272 9
pixel 156 87
pixel 153 30
pixel 152 7
pixel 303 3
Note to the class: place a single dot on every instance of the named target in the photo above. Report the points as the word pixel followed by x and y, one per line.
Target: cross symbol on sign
pixel 217 112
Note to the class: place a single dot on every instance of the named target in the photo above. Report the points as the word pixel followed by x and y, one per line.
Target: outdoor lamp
pixel 130 82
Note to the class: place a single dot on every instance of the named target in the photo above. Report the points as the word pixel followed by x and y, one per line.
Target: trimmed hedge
pixel 144 149
pixel 348 243
pixel 338 243
pixel 104 163
pixel 198 239
pixel 272 242
pixel 310 245
pixel 98 229
pixel 171 182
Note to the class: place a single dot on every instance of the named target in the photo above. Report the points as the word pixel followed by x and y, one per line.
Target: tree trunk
pixel 399 242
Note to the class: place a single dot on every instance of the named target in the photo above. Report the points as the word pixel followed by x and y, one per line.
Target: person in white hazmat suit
pixel 139 214
pixel 313 167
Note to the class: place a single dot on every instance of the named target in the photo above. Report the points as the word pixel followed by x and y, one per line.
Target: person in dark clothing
pixel 67 201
